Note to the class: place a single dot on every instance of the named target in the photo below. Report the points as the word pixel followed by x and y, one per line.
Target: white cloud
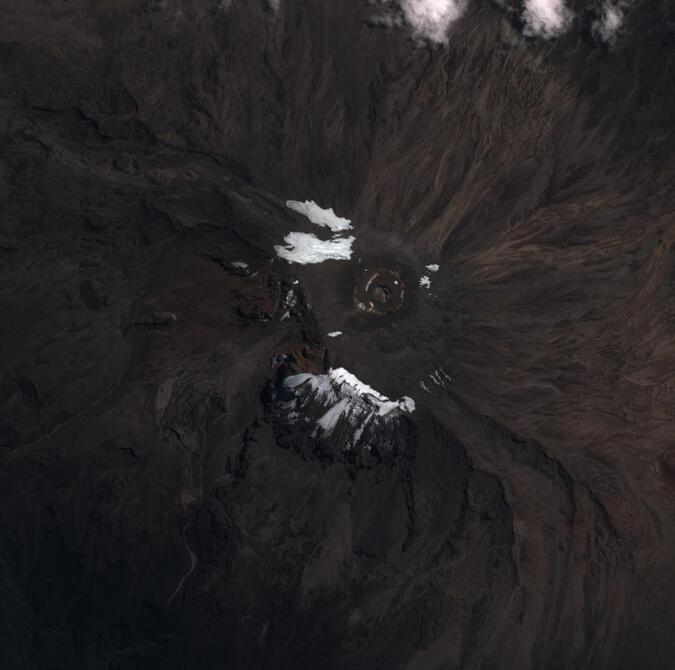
pixel 611 20
pixel 546 18
pixel 430 19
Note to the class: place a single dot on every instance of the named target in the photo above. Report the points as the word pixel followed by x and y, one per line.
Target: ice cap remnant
pixel 319 215
pixel 305 248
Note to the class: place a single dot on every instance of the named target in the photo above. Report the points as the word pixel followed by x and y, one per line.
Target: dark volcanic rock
pixel 160 504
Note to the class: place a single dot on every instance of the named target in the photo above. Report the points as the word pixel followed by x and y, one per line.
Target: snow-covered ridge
pixel 345 398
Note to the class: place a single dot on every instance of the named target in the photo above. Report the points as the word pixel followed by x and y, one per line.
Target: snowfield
pixel 321 217
pixel 305 248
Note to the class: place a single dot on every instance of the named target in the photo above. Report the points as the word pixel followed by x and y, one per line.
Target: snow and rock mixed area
pixel 344 400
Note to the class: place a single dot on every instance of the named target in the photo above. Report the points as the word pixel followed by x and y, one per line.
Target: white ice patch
pixel 305 248
pixel 425 280
pixel 546 18
pixel 430 19
pixel 346 398
pixel 335 333
pixel 321 217
pixel 239 264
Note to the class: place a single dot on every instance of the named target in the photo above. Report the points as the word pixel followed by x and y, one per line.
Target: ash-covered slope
pixel 450 446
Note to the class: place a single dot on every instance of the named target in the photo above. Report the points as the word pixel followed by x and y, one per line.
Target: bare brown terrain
pixel 161 507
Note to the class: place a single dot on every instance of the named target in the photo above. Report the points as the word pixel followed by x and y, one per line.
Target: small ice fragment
pixel 425 281
pixel 433 267
pixel 239 264
pixel 335 333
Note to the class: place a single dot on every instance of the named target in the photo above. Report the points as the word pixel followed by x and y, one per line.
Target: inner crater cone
pixel 379 291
